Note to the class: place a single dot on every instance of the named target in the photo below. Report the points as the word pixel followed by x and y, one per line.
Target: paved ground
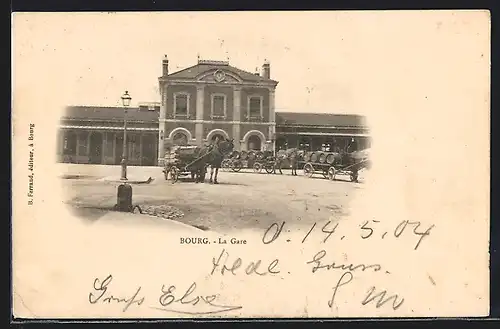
pixel 243 200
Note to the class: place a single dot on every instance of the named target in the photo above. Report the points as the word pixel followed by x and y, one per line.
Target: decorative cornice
pixel 262 84
pixel 218 122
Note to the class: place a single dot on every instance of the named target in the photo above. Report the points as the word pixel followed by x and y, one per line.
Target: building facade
pixel 213 99
pixel 208 100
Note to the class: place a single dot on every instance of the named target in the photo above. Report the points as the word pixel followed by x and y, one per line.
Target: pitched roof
pixel 110 113
pixel 320 119
pixel 282 118
pixel 195 70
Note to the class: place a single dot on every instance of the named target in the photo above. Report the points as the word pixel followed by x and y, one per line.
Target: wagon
pixel 181 161
pixel 233 163
pixel 331 165
pixel 264 160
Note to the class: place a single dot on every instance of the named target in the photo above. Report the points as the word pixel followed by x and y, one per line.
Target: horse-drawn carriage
pixel 331 164
pixel 181 161
pixel 264 160
pixel 194 160
pixel 233 162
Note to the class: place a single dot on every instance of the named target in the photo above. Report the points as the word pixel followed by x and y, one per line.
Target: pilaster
pixel 237 117
pixel 272 117
pixel 103 147
pixel 161 124
pixel 140 149
pixel 200 100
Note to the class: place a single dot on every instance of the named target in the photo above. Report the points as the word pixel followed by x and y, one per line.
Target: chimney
pixel 165 66
pixel 266 70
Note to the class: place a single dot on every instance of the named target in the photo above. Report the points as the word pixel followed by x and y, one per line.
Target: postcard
pixel 314 164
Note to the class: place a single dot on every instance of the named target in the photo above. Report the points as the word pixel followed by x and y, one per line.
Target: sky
pixel 336 62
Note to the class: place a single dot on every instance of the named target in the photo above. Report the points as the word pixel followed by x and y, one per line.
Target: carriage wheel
pixel 236 166
pixel 257 167
pixel 332 173
pixel 308 170
pixel 269 167
pixel 174 174
pixel 226 163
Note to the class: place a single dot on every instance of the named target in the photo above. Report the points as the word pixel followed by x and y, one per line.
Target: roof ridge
pixel 187 68
pixel 245 71
pixel 293 112
pixel 104 107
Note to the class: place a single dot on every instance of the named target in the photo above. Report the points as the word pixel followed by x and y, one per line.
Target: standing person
pixel 294 162
pixel 277 163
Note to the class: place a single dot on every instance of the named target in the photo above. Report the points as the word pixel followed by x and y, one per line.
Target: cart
pixel 234 163
pixel 348 165
pixel 311 168
pixel 182 161
pixel 265 160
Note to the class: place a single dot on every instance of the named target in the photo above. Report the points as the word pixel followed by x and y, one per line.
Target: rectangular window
pixel 181 104
pixel 255 107
pixel 218 106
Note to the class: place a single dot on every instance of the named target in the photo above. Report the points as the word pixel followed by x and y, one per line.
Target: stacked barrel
pixel 321 157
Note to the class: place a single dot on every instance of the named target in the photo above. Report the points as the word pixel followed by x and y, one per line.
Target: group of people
pixel 294 163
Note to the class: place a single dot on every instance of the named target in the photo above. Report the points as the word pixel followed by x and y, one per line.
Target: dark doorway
pixel 69 146
pixel 214 137
pixel 180 139
pixel 95 148
pixel 149 150
pixel 254 143
pixel 119 149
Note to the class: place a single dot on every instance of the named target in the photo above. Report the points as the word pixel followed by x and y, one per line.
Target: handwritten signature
pixel 101 288
pixel 371 295
pixel 334 266
pixel 166 300
pixel 221 265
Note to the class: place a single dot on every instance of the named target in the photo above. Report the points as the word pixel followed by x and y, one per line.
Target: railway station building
pixel 208 100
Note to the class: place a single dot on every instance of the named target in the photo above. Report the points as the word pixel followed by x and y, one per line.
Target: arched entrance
pixel 95 148
pixel 254 143
pixel 180 138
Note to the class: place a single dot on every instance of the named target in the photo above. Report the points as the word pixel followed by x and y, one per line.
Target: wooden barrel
pixel 243 155
pixel 315 156
pixel 322 157
pixel 330 158
pixel 307 156
pixel 251 156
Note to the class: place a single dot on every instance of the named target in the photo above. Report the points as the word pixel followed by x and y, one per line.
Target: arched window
pixel 180 139
pixel 254 143
pixel 215 136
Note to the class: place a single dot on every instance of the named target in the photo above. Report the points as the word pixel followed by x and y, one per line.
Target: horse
pixel 212 156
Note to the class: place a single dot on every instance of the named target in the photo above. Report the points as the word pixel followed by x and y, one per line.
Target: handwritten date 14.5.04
pixel 368 230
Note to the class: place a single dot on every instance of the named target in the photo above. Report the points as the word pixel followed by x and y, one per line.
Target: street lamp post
pixel 124 193
pixel 126 103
